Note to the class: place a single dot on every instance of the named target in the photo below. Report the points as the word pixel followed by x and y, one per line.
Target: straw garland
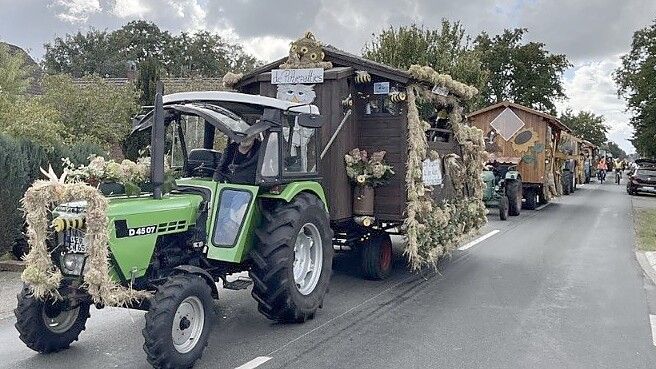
pixel 40 274
pixel 432 229
pixel 429 75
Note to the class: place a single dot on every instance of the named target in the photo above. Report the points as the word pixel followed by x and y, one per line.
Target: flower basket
pixel 366 172
pixel 363 200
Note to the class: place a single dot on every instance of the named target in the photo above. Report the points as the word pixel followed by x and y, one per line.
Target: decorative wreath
pixel 40 274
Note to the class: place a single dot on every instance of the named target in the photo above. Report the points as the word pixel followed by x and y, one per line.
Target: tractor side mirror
pixel 310 120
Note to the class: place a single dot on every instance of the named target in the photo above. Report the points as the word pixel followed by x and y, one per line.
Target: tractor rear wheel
pixel 503 208
pixel 292 260
pixel 514 194
pixel 376 256
pixel 48 326
pixel 178 322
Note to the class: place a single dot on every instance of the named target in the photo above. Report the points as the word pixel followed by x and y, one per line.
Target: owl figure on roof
pixel 306 52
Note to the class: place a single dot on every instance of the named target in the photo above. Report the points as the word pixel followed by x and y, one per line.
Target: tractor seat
pixel 203 162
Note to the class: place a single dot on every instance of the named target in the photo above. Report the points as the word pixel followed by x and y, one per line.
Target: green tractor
pixel 503 188
pixel 254 207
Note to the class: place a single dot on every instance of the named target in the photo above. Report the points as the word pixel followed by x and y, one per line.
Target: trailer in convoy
pixel 518 134
pixel 366 105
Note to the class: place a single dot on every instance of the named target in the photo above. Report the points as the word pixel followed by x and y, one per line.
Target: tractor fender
pixel 292 189
pixel 199 272
pixel 512 174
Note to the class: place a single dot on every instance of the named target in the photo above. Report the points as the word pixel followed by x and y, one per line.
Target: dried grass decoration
pixel 434 229
pixel 40 274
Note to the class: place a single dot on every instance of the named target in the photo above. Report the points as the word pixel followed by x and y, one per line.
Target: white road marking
pixel 542 206
pixel 254 363
pixel 652 320
pixel 480 239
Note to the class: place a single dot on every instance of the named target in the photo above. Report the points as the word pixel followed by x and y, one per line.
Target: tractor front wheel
pixel 292 260
pixel 376 256
pixel 48 326
pixel 178 322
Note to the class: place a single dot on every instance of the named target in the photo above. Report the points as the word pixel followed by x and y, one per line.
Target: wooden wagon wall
pixel 329 95
pixel 531 172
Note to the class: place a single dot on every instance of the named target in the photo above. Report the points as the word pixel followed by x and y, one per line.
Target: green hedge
pixel 20 160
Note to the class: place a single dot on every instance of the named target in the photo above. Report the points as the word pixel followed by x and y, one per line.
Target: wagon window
pixel 440 127
pixel 373 104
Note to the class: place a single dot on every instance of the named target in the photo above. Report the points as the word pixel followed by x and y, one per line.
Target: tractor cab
pixel 230 148
pixel 238 138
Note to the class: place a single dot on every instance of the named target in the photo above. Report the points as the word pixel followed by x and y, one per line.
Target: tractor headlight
pixel 72 263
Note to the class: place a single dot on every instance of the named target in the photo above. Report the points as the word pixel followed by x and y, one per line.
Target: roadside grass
pixel 646 229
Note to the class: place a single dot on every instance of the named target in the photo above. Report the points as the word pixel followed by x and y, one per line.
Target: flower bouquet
pixel 366 172
pixel 113 178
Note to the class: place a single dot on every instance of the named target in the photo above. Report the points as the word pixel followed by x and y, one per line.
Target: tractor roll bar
pixel 157 143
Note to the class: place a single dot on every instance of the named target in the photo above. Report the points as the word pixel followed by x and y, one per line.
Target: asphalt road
pixel 555 288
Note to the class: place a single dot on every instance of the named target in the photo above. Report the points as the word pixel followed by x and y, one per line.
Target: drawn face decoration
pixel 296 93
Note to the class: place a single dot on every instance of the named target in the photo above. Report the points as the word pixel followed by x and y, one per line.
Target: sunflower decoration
pixel 524 140
pixel 306 52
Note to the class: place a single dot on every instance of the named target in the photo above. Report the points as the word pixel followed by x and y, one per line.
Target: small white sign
pixel 381 88
pixel 440 90
pixel 293 76
pixel 431 173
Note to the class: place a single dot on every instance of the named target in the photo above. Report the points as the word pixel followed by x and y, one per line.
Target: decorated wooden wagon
pixel 394 151
pixel 528 138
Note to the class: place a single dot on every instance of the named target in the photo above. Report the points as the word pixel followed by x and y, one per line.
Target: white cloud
pixel 130 8
pixel 76 11
pixel 591 88
pixel 267 48
pixel 191 12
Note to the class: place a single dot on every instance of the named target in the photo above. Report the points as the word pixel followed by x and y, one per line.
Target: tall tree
pixel 635 80
pixel 586 125
pixel 83 54
pixel 104 53
pixel 447 50
pixel 524 73
pixel 615 150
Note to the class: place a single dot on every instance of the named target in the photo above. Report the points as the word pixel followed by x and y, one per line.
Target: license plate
pixel 74 241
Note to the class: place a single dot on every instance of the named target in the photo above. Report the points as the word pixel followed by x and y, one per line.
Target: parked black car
pixel 642 179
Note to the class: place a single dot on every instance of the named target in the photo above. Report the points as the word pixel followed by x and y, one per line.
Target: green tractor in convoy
pixel 255 207
pixel 503 189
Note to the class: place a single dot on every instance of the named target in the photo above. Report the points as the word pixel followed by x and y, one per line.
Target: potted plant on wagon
pixel 366 173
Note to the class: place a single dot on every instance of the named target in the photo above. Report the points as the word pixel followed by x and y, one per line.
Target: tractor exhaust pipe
pixel 157 142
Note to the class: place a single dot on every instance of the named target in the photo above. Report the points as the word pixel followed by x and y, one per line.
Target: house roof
pixel 507 104
pixel 341 58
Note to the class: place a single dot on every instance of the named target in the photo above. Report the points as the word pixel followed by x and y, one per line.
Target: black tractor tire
pixel 503 208
pixel 376 256
pixel 45 337
pixel 188 291
pixel 272 270
pixel 514 194
pixel 531 199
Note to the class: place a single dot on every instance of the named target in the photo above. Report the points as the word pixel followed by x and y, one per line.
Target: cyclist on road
pixel 602 167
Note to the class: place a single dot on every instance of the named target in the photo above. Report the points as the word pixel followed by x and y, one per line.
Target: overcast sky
pixel 592 33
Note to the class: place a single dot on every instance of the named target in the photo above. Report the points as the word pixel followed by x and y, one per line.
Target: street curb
pixel 646 265
pixel 12 266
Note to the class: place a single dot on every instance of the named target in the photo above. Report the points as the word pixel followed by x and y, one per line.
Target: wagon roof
pixel 548 117
pixel 341 58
